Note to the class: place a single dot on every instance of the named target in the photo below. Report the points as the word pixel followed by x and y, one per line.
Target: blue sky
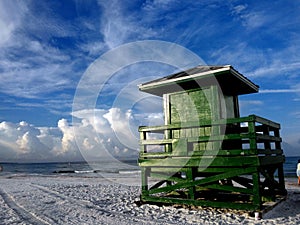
pixel 47 47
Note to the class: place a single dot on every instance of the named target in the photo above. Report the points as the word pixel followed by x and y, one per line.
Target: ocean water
pixel 290 166
pixel 105 169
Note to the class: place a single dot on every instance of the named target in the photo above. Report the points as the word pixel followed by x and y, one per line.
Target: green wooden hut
pixel 206 154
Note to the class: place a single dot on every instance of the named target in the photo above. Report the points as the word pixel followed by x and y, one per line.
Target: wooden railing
pixel 252 135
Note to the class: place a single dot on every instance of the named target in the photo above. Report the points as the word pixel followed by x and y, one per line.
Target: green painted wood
pixel 231 152
pixel 169 177
pixel 270 151
pixel 199 153
pixel 190 178
pixel 155 154
pixel 158 142
pixel 143 137
pixel 215 170
pixel 200 170
pixel 144 178
pixel 179 148
pixel 206 203
pixel 203 123
pixel 170 170
pixel 256 189
pixel 251 136
pixel 216 137
pixel 238 161
pixel 277 143
pixel 244 181
pixel 229 188
pixel 206 180
pixel 197 101
pixel 270 160
pixel 251 130
pixel 281 179
pixel 261 137
pixel 231 106
pixel 266 122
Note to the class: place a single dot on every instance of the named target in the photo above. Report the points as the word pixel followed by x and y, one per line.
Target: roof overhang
pixel 227 78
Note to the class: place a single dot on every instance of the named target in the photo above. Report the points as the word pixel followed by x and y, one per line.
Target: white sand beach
pixel 86 200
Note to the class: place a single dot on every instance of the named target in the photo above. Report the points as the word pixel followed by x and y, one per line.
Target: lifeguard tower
pixel 206 154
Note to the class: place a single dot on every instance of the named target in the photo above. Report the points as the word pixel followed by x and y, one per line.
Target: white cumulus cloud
pixel 94 134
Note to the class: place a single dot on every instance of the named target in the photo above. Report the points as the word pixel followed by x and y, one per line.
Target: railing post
pixel 277 143
pixel 252 134
pixel 143 136
pixel 267 144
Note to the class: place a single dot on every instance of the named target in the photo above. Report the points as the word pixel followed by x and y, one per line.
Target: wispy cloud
pixel 32 64
pixel 253 16
pixel 262 49
pixel 120 25
pixel 29 66
pixel 238 9
pixel 253 20
pixel 11 16
pixel 274 91
pixel 251 102
pixel 115 26
pixel 296 115
pixel 277 68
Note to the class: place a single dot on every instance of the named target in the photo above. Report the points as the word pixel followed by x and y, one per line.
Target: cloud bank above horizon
pixel 92 138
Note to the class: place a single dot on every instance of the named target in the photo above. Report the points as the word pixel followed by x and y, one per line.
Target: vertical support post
pixel 144 176
pixel 280 166
pixel 256 189
pixel 190 178
pixel 255 176
pixel 281 179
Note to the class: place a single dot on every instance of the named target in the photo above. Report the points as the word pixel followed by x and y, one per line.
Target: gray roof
pixel 229 79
